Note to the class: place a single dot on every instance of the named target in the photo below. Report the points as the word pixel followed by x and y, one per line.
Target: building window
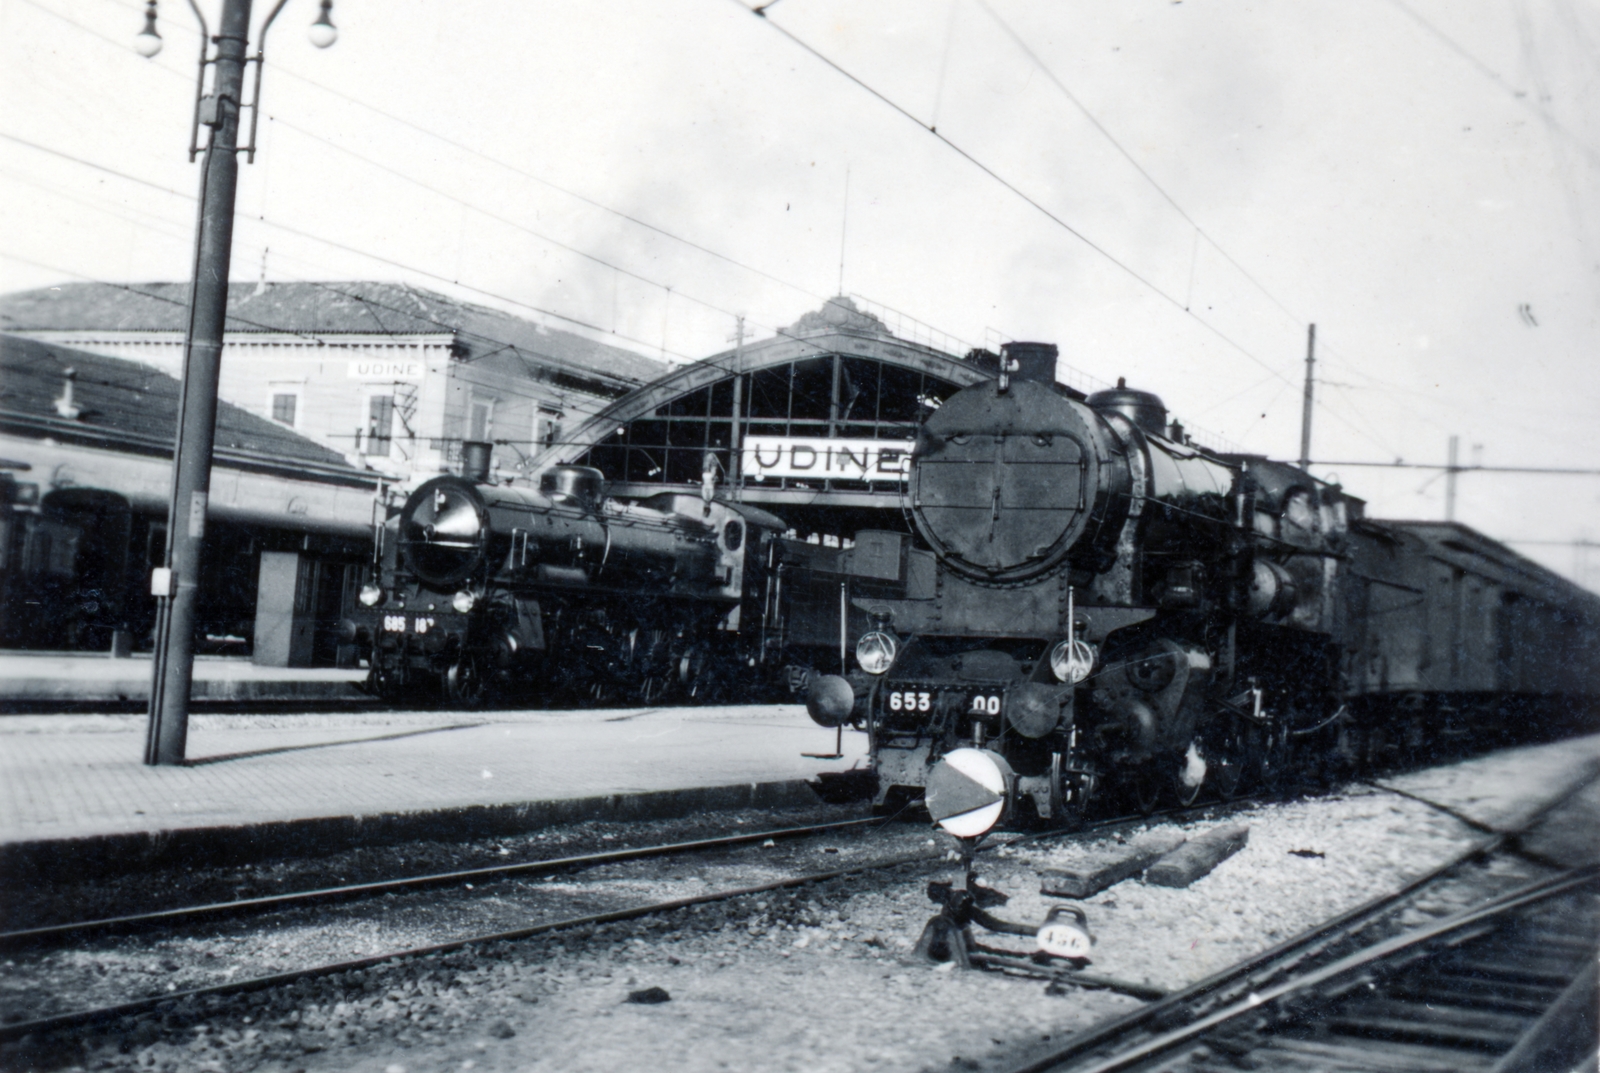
pixel 380 424
pixel 480 421
pixel 283 406
pixel 547 433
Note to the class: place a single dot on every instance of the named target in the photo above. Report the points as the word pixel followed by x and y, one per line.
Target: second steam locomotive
pixel 561 593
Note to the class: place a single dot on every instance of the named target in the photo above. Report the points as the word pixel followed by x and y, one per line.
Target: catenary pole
pixel 173 670
pixel 1305 409
pixel 1450 479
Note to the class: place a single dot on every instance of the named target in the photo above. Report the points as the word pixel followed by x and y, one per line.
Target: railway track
pixel 56 933
pixel 1498 986
pixel 207 998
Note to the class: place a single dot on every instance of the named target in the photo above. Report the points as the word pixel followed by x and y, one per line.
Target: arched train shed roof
pixel 768 353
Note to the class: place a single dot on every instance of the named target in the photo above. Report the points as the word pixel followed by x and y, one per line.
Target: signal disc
pixel 967 791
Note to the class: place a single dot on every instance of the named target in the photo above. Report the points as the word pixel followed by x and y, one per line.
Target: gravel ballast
pixel 821 978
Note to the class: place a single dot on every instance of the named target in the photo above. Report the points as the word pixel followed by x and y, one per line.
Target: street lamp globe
pixel 148 42
pixel 323 32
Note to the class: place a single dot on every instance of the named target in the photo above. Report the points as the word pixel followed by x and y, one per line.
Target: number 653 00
pixel 909 700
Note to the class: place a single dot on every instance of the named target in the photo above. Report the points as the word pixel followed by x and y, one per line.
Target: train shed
pixel 814 423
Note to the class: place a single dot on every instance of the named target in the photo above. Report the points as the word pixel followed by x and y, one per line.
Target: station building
pixel 85 479
pixel 392 377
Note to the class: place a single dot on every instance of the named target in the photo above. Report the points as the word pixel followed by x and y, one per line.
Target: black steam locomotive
pixel 1096 600
pixel 562 593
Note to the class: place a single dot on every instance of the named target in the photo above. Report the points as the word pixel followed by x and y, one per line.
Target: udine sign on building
pixel 392 377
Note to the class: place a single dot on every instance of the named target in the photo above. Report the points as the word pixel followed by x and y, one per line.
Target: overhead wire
pixel 593 327
pixel 1035 204
pixel 1034 58
pixel 668 289
pixel 1520 96
pixel 503 219
pixel 345 248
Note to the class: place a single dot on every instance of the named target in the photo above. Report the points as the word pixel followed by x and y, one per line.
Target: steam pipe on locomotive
pixel 562 589
pixel 1097 598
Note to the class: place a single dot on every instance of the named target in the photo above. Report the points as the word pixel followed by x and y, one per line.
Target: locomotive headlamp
pixel 371 594
pixel 1071 661
pixel 875 651
pixel 464 600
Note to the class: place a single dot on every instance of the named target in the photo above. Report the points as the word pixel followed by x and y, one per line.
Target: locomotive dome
pixel 1144 408
pixel 1002 480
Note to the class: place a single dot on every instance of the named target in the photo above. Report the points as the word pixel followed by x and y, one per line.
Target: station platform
pixel 31 680
pixel 76 798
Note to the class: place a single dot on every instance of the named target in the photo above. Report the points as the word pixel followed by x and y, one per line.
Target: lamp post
pixel 176 583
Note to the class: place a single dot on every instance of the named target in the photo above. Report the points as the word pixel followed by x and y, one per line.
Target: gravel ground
pixel 27 905
pixel 821 978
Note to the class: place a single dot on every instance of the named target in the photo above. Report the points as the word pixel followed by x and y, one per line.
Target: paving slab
pixel 259 783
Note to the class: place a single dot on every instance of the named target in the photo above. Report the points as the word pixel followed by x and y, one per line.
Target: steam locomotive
pixel 562 593
pixel 1095 602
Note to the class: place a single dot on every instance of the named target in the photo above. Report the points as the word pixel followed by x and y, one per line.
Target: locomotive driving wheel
pixel 1227 757
pixel 1189 773
pixel 1146 786
pixel 694 671
pixel 464 681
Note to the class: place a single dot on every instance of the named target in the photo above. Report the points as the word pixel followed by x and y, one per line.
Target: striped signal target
pixel 967 791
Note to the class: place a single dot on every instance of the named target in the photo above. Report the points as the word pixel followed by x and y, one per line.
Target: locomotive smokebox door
pixel 1002 483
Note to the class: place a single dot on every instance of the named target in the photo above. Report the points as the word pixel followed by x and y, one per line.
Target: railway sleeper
pixel 1462 1029
pixel 1489 994
pixel 1356 1055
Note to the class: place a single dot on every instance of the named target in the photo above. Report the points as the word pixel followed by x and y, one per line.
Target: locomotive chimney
pixel 1030 361
pixel 475 456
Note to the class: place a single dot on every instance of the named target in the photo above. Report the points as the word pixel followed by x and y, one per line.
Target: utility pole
pixel 176 583
pixel 736 455
pixel 1450 472
pixel 173 670
pixel 1305 409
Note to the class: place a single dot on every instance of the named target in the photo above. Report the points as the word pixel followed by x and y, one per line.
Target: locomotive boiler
pixel 1093 598
pixel 560 592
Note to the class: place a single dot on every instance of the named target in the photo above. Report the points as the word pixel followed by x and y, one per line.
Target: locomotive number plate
pixel 910 700
pixel 974 703
pixel 983 703
pixel 397 624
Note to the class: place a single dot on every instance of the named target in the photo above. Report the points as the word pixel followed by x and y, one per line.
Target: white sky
pixel 1408 174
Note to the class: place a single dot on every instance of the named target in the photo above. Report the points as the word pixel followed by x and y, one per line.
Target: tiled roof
pixel 129 405
pixel 319 309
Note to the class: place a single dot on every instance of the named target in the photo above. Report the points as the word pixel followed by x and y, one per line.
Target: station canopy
pixel 815 423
